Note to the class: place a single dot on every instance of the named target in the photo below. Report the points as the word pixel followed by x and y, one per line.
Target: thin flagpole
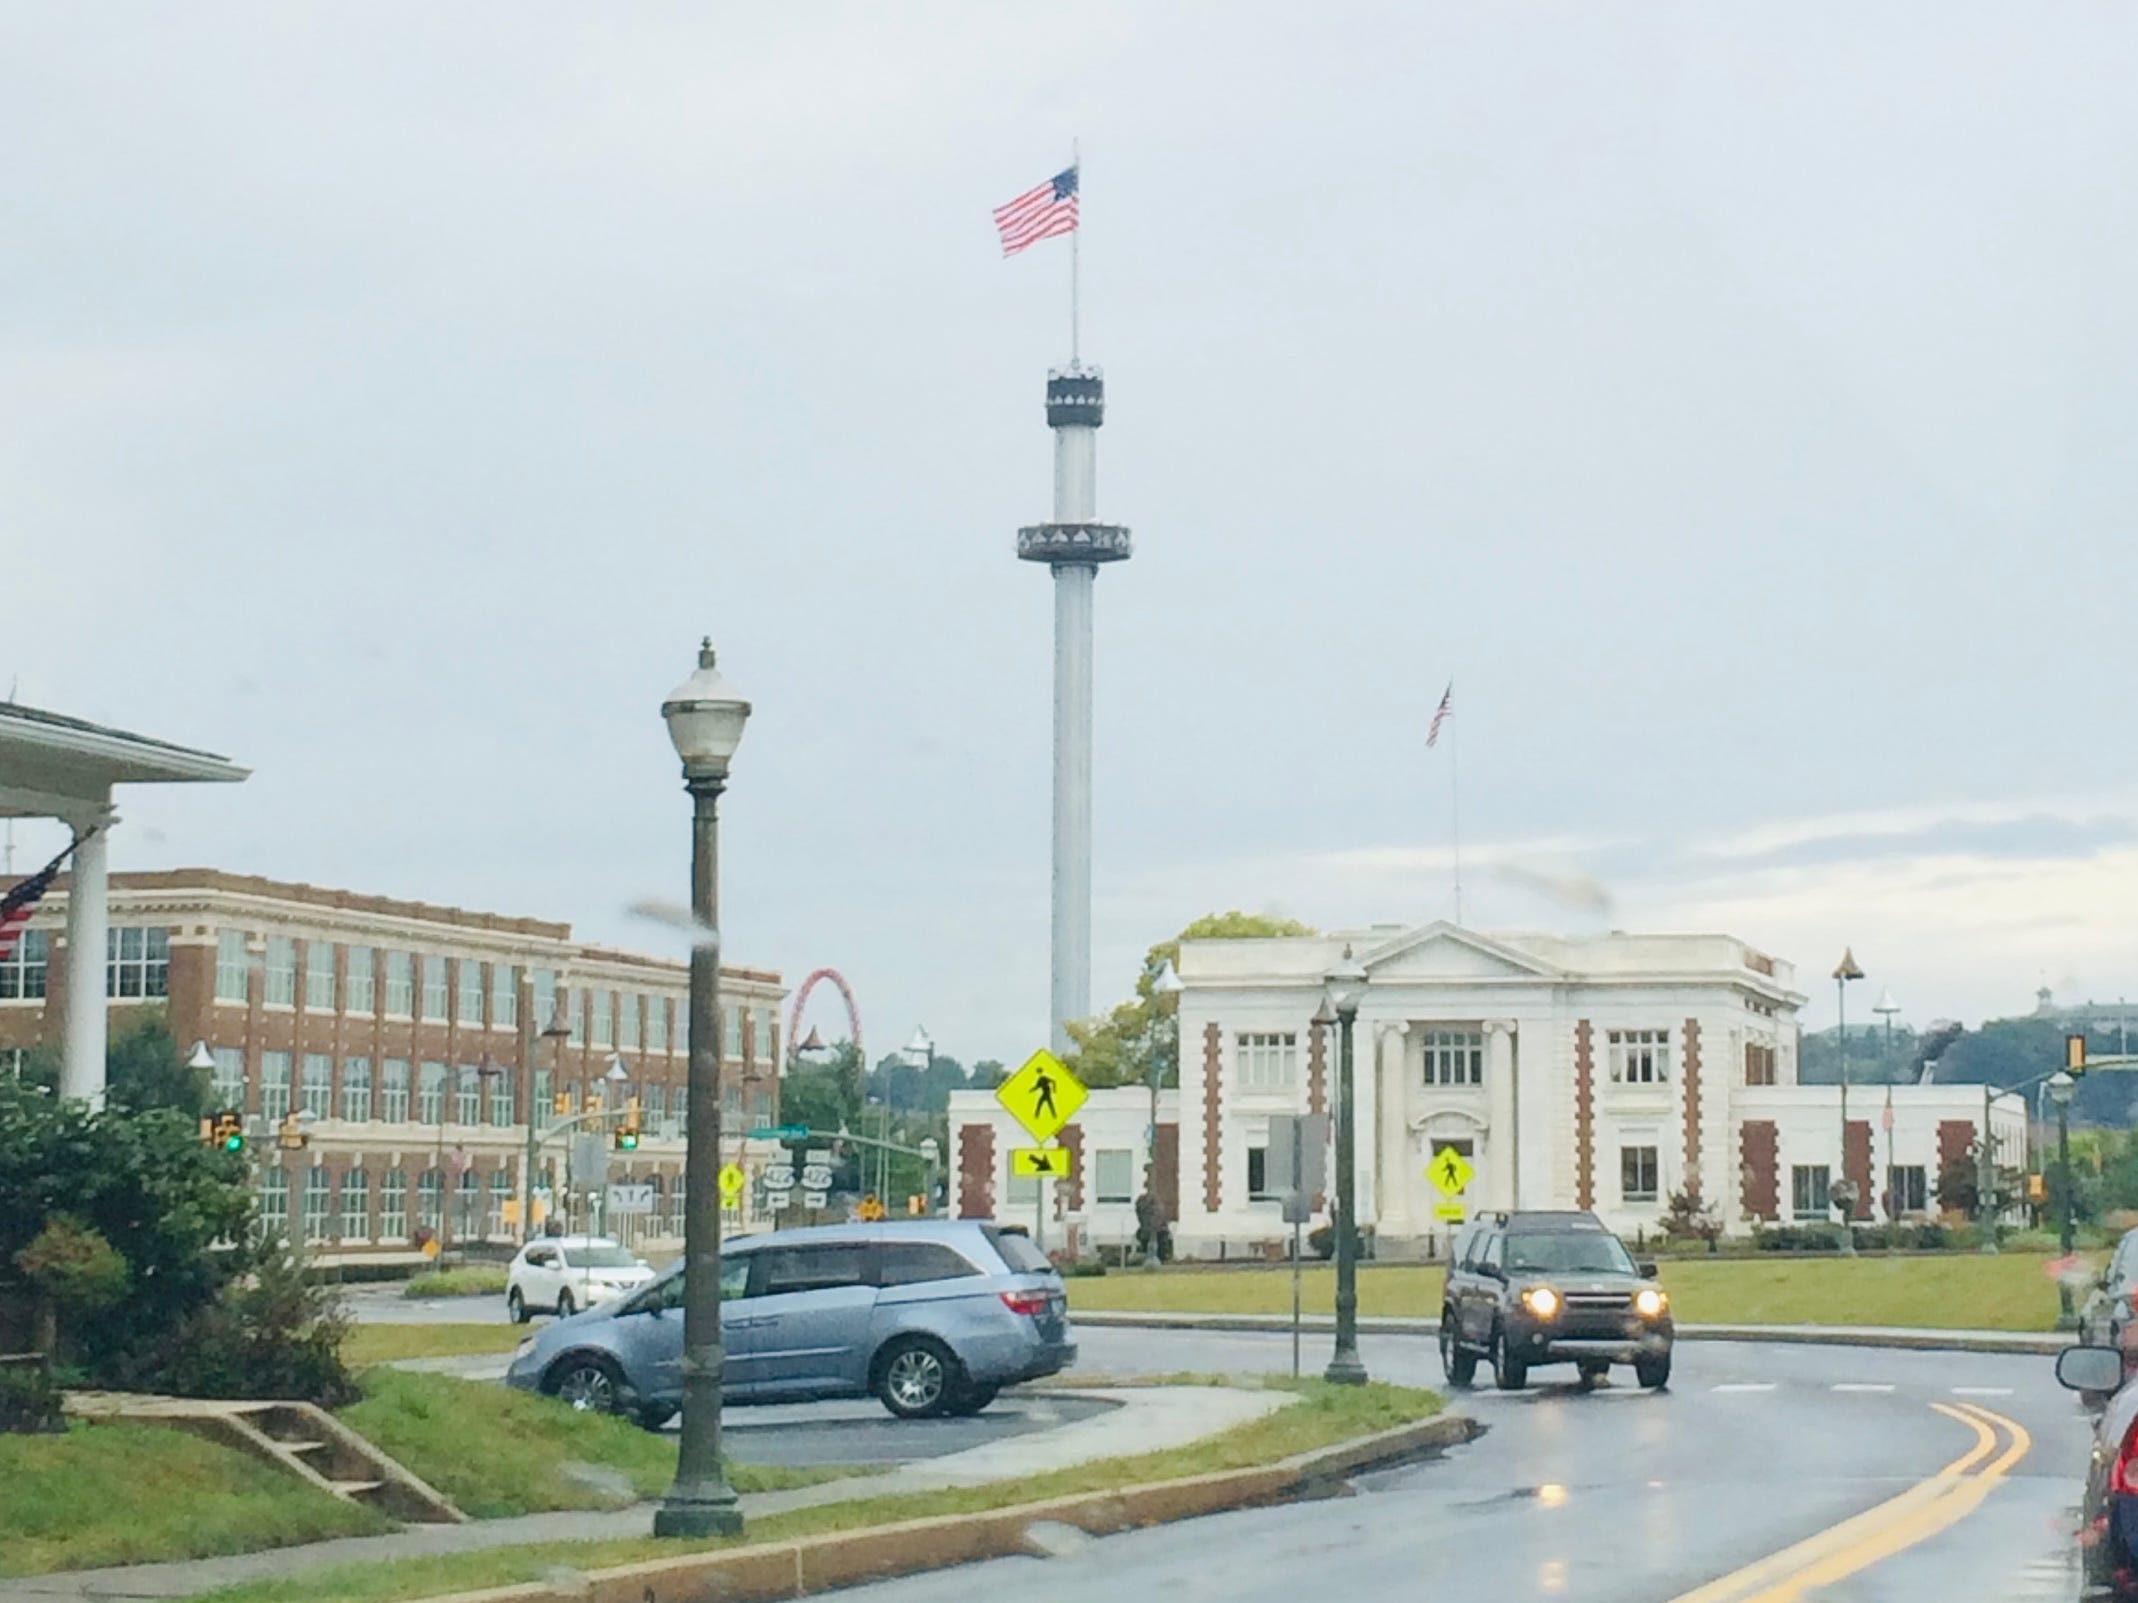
pixel 1076 235
pixel 1455 796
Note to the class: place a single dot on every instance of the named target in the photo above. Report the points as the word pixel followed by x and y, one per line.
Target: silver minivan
pixel 929 1316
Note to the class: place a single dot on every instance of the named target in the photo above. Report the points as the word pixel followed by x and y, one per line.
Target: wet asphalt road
pixel 1612 1496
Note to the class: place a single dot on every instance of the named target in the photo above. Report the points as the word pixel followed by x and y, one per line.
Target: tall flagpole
pixel 1455 795
pixel 1076 235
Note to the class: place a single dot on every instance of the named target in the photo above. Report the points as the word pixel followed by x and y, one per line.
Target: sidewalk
pixel 1148 1419
pixel 1972 1341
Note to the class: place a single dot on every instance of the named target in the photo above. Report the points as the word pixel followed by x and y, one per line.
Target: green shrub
pixel 30 1405
pixel 475 1280
pixel 276 1334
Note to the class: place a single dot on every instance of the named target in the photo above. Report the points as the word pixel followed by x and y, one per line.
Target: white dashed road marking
pixel 1982 1391
pixel 1859 1385
pixel 1745 1386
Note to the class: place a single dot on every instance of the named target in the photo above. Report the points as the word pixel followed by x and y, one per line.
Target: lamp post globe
pixel 1344 988
pixel 705 719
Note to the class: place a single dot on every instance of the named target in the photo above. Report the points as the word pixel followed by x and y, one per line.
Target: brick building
pixel 414 1037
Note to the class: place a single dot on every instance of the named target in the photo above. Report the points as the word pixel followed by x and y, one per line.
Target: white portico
pixel 52 766
pixel 1571 1071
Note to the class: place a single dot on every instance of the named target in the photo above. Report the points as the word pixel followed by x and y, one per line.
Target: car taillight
pixel 1029 1303
pixel 2123 1474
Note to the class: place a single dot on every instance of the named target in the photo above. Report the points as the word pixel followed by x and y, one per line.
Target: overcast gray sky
pixel 1735 402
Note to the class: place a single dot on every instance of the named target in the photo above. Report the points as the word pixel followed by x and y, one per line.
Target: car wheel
pixel 970 1400
pixel 914 1377
pixel 1459 1366
pixel 1509 1373
pixel 1592 1373
pixel 654 1415
pixel 587 1382
pixel 565 1306
pixel 516 1306
pixel 1653 1372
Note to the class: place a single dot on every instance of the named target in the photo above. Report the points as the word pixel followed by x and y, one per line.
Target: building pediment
pixel 1444 951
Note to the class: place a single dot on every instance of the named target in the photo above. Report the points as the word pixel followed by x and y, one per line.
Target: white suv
pixel 563 1274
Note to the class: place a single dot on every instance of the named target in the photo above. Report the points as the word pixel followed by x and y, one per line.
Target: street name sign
pixel 1042 1096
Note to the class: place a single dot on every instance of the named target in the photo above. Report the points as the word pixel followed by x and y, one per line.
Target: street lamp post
pixel 705 719
pixel 1166 982
pixel 2062 1087
pixel 922 1050
pixel 1844 971
pixel 1885 1008
pixel 554 1032
pixel 1344 988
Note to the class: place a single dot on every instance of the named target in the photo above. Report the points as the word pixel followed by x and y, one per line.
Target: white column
pixel 1392 1188
pixel 81 1074
pixel 1501 1159
pixel 1072 800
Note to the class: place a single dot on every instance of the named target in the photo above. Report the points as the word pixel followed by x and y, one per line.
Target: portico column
pixel 81 1074
pixel 1392 1181
pixel 1499 1109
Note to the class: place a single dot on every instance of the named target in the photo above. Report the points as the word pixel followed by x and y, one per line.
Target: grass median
pixel 385 1344
pixel 1963 1291
pixel 1324 1416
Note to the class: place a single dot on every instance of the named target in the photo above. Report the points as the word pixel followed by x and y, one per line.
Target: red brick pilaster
pixel 1692 1106
pixel 976 1172
pixel 1213 1097
pixel 1165 1179
pixel 1955 1136
pixel 1856 1164
pixel 1069 1193
pixel 1759 1146
pixel 1584 1114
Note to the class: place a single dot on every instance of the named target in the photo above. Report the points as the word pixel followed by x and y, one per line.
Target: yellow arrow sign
pixel 1042 1096
pixel 731 1179
pixel 1449 1211
pixel 1039 1163
pixel 1450 1172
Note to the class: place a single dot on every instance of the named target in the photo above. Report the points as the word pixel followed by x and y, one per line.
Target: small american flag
pixel 1441 713
pixel 20 901
pixel 1885 1119
pixel 1038 213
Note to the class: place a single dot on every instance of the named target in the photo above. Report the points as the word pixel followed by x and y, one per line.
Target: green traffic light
pixel 627 1141
pixel 233 1142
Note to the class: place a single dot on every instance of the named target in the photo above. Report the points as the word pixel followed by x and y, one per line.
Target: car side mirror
pixel 2094 1369
pixel 1646 1270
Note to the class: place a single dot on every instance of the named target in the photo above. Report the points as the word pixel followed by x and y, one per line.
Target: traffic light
pixel 291 1133
pixel 627 1132
pixel 2075 1055
pixel 226 1130
pixel 561 1104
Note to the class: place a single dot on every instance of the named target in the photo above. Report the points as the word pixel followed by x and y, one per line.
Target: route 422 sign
pixel 1042 1096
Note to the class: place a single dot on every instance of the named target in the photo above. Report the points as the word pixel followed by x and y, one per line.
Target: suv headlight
pixel 1649 1302
pixel 1541 1301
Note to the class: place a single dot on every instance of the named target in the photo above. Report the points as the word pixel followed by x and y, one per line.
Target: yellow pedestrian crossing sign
pixel 1450 1172
pixel 1042 1096
pixel 731 1180
pixel 1039 1163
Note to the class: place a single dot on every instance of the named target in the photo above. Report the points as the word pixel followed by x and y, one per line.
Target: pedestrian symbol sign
pixel 1042 1096
pixel 1039 1163
pixel 731 1179
pixel 1450 1172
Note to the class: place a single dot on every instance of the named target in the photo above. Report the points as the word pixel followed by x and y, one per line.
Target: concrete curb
pixel 814 1564
pixel 1962 1341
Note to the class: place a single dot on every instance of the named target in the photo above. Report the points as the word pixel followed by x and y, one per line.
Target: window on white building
pixel 1759 1063
pixel 1267 1062
pixel 1454 1057
pixel 137 962
pixel 1113 1175
pixel 1909 1184
pixel 233 966
pixel 1807 1191
pixel 23 970
pixel 319 976
pixel 359 995
pixel 1023 1195
pixel 356 1090
pixel 1637 1174
pixel 1639 1057
pixel 1258 1179
pixel 281 971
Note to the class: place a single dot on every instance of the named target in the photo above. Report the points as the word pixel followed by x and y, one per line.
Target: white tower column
pixel 81 1074
pixel 1394 1219
pixel 1500 1175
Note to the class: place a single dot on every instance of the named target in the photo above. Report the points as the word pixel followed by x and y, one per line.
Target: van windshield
pixel 1566 1252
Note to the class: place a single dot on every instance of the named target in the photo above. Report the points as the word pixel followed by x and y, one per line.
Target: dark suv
pixel 1550 1288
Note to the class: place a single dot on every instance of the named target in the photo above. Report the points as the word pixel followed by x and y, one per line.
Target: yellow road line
pixel 1924 1509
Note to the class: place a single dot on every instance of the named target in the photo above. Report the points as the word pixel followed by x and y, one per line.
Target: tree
pixel 988 1073
pixel 1141 1037
pixel 143 1068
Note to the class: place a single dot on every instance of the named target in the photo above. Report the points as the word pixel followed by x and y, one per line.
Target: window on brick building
pixel 435 998
pixel 1638 1174
pixel 545 997
pixel 281 971
pixel 627 1021
pixel 1454 1057
pixel 468 1095
pixel 229 1079
pixel 504 996
pixel 393 1205
pixel 1639 1057
pixel 23 970
pixel 233 966
pixel 137 962
pixel 544 1110
pixel 275 1200
pixel 400 984
pixel 356 1090
pixel 356 1206
pixel 393 1091
pixel 430 1199
pixel 318 1091
pixel 359 995
pixel 471 991
pixel 430 1094
pixel 317 1194
pixel 501 1098
pixel 274 1085
pixel 657 1024
pixel 319 976
pixel 604 1018
pixel 1267 1062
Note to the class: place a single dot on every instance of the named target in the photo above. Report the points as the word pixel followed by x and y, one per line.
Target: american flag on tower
pixel 22 899
pixel 1039 213
pixel 1441 714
